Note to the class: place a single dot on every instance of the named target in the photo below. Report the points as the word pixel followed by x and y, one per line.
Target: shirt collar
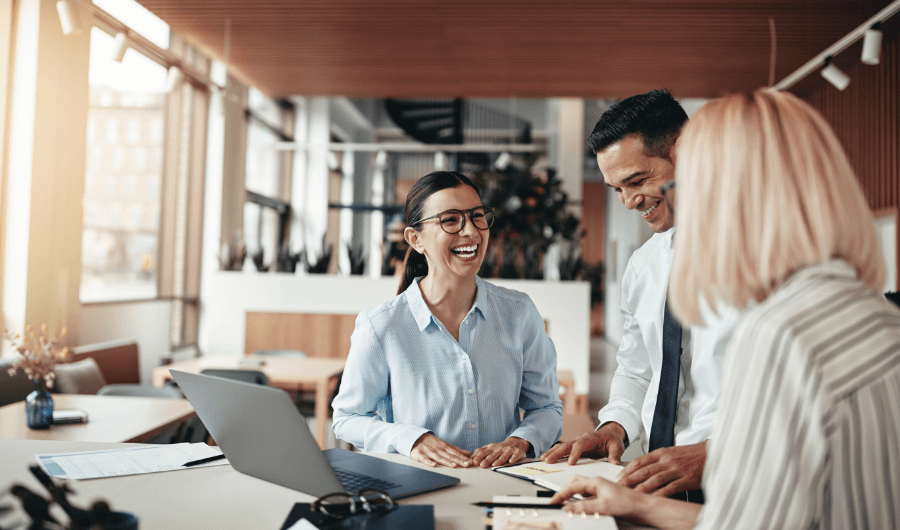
pixel 423 315
pixel 417 304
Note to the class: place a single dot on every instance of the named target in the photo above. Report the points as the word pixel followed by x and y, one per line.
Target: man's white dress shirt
pixel 632 400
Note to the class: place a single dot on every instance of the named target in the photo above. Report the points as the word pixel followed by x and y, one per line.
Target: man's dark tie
pixel 662 431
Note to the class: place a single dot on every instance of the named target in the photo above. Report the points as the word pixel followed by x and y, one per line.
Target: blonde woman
pixel 771 218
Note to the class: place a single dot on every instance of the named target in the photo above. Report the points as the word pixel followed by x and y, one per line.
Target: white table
pixel 220 497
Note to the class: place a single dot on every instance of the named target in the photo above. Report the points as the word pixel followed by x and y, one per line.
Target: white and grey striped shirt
pixel 808 434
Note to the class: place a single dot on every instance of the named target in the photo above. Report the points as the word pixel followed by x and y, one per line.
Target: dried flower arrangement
pixel 39 353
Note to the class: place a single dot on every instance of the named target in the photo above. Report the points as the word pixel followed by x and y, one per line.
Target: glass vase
pixel 39 406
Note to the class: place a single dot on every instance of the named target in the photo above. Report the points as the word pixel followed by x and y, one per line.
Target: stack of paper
pixel 131 461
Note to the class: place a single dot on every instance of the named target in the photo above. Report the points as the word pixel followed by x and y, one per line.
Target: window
pixel 265 212
pixel 120 252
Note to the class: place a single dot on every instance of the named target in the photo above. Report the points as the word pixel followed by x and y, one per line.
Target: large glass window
pixel 120 246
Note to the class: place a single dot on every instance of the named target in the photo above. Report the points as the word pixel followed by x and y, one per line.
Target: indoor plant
pixel 38 355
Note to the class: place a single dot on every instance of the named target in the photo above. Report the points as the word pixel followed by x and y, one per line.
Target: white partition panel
pixel 228 296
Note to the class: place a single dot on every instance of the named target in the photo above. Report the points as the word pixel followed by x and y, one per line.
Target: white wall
pixel 228 296
pixel 145 322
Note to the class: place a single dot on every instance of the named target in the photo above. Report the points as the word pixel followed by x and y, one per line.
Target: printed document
pixel 131 461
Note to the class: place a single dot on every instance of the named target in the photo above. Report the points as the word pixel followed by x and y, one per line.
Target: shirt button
pixel 686 356
pixel 471 391
pixel 466 321
pixel 684 403
pixel 473 425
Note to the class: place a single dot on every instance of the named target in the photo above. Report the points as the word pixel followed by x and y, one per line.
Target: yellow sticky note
pixel 537 468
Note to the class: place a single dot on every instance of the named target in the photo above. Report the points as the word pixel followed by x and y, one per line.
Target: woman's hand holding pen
pixel 431 450
pixel 508 451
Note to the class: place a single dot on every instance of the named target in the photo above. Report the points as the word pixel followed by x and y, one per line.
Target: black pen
pixel 205 460
pixel 514 505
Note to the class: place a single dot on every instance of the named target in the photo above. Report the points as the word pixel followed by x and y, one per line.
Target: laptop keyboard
pixel 353 483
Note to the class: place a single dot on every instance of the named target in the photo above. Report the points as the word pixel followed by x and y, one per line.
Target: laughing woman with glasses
pixel 440 372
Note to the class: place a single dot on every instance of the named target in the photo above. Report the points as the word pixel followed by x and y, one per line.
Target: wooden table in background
pixel 291 374
pixel 110 419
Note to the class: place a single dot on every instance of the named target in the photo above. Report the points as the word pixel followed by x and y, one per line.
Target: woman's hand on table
pixel 508 451
pixel 600 496
pixel 432 451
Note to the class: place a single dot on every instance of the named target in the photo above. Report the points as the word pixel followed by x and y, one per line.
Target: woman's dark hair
pixel 415 265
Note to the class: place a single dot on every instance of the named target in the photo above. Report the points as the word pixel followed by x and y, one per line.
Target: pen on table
pixel 204 460
pixel 514 505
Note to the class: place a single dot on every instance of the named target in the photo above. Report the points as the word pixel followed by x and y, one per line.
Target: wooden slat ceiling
pixel 502 48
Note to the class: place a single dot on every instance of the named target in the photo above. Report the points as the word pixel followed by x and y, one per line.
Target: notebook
pixel 263 435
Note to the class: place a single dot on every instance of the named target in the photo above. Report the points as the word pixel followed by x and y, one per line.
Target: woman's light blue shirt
pixel 408 369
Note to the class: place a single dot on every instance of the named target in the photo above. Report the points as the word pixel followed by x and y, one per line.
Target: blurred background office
pixel 193 175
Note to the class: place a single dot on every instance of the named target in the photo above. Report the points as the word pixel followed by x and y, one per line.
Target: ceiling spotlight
pixel 120 46
pixel 834 75
pixel 871 53
pixel 503 161
pixel 67 18
pixel 175 78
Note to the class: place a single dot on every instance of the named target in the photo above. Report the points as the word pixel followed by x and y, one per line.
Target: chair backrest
pixel 118 360
pixel 13 388
pixel 248 376
pixel 167 392
pixel 82 377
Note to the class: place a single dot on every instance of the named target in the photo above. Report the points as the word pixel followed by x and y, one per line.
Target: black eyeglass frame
pixel 365 505
pixel 665 189
pixel 485 210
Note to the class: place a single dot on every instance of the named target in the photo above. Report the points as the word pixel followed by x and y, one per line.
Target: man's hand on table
pixel 607 441
pixel 666 471
pixel 432 451
pixel 508 451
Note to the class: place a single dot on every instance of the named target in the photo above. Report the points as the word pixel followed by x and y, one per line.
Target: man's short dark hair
pixel 655 116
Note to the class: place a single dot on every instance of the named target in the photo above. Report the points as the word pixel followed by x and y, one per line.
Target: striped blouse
pixel 809 426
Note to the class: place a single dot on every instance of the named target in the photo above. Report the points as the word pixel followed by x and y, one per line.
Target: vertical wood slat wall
pixel 865 118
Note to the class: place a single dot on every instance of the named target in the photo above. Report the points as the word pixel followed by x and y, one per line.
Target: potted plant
pixel 38 355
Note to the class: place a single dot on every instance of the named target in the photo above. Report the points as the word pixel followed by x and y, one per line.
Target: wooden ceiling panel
pixel 502 48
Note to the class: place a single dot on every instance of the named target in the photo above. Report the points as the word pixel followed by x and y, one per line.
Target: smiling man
pixel 667 383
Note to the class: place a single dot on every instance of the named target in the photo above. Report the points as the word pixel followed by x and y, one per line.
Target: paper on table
pixel 556 481
pixel 531 518
pixel 132 461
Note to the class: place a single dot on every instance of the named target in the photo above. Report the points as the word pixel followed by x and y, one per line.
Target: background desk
pixel 110 418
pixel 220 497
pixel 289 374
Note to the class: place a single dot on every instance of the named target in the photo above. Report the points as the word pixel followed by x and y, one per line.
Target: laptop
pixel 263 435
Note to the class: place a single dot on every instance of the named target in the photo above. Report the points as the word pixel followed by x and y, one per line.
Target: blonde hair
pixel 764 189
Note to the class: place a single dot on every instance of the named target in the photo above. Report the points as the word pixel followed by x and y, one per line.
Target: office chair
pixel 247 376
pixel 165 392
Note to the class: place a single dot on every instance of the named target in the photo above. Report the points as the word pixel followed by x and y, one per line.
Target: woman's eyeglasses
pixel 340 505
pixel 668 193
pixel 453 221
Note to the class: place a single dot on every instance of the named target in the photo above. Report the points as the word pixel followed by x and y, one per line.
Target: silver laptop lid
pixel 261 432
